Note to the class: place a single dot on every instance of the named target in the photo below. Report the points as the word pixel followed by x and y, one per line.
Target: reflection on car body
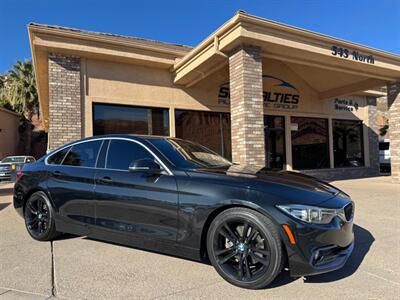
pixel 178 197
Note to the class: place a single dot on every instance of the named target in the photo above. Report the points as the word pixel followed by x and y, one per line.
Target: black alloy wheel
pixel 39 219
pixel 244 247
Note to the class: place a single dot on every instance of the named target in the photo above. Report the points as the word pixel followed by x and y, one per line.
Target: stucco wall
pixel 118 83
pixel 139 85
pixel 9 136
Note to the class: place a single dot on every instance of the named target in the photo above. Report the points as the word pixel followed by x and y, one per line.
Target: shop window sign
pixel 346 105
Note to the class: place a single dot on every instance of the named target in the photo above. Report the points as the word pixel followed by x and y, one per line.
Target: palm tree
pixel 19 89
pixel 18 92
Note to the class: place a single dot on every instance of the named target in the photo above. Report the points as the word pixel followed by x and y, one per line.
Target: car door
pixel 140 203
pixel 71 185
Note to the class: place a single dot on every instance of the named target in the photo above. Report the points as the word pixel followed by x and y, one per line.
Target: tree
pixel 18 92
pixel 384 129
pixel 18 89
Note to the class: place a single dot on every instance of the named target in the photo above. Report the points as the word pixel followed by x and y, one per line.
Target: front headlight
pixel 311 214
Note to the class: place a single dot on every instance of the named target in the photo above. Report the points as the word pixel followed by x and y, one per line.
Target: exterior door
pixel 275 142
pixel 134 203
pixel 71 184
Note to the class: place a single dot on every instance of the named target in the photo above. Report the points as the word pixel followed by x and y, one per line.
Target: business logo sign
pixel 345 105
pixel 352 54
pixel 278 93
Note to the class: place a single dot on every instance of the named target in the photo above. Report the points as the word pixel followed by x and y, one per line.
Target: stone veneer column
pixel 373 136
pixel 247 109
pixel 65 116
pixel 393 95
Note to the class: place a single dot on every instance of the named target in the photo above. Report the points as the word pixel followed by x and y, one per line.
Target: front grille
pixel 349 211
pixel 5 168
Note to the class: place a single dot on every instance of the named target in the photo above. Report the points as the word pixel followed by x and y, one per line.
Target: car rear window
pixel 57 158
pixel 83 154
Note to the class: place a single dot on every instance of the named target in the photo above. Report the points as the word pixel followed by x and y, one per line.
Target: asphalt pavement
pixel 81 268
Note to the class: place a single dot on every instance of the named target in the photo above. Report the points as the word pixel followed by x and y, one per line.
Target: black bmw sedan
pixel 180 198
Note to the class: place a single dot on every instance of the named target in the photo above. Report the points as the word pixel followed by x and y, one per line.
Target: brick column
pixel 247 110
pixel 393 95
pixel 373 136
pixel 65 116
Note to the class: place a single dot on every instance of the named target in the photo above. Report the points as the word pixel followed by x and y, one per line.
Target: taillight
pixel 19 176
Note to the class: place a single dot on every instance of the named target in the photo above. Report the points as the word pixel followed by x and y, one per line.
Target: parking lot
pixel 81 268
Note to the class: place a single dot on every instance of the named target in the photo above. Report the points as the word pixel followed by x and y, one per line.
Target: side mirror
pixel 145 165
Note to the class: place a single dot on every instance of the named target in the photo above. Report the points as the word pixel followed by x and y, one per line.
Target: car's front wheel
pixel 39 217
pixel 244 247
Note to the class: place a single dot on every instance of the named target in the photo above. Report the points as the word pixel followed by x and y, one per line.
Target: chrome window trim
pixel 98 154
pixel 105 158
pixel 65 156
pixel 159 161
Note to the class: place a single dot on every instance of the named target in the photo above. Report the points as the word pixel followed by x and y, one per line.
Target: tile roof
pixel 123 37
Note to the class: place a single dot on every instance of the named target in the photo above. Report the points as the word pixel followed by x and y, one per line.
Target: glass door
pixel 274 127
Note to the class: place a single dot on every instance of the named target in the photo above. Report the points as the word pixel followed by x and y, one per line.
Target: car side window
pixel 122 153
pixel 83 154
pixel 57 157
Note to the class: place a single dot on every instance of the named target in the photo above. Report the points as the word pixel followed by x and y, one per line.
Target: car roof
pixel 126 136
pixel 137 137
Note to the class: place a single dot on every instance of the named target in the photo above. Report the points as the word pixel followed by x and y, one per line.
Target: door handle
pixel 56 173
pixel 105 179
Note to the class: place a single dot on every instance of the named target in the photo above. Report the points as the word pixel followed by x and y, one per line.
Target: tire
pixel 248 256
pixel 39 217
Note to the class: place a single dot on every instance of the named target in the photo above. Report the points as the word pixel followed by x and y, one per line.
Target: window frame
pixel 54 153
pixel 72 146
pixel 157 159
pixel 362 146
pixel 168 109
pixel 112 169
pixel 277 129
pixel 328 141
pixel 221 131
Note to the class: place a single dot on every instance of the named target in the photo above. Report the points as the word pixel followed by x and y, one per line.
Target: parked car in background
pixel 384 156
pixel 10 165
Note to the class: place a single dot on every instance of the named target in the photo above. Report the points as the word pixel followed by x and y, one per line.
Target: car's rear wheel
pixel 39 217
pixel 244 247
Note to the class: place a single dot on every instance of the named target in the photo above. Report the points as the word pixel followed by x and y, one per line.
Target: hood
pixel 292 186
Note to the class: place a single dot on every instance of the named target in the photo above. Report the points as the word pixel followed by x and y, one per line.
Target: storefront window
pixel 210 129
pixel 309 143
pixel 109 119
pixel 347 143
pixel 275 141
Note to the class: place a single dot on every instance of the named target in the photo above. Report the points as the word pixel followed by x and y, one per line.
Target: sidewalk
pixel 6 188
pixel 7 294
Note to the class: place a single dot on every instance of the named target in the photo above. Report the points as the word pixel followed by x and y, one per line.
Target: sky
pixel 374 23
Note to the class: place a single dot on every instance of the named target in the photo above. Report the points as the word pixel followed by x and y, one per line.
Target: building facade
pixel 256 91
pixel 9 135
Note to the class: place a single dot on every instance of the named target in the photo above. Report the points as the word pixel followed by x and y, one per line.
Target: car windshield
pixel 188 154
pixel 13 159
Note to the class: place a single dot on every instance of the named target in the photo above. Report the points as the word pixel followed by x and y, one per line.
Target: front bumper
pixel 335 258
pixel 319 248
